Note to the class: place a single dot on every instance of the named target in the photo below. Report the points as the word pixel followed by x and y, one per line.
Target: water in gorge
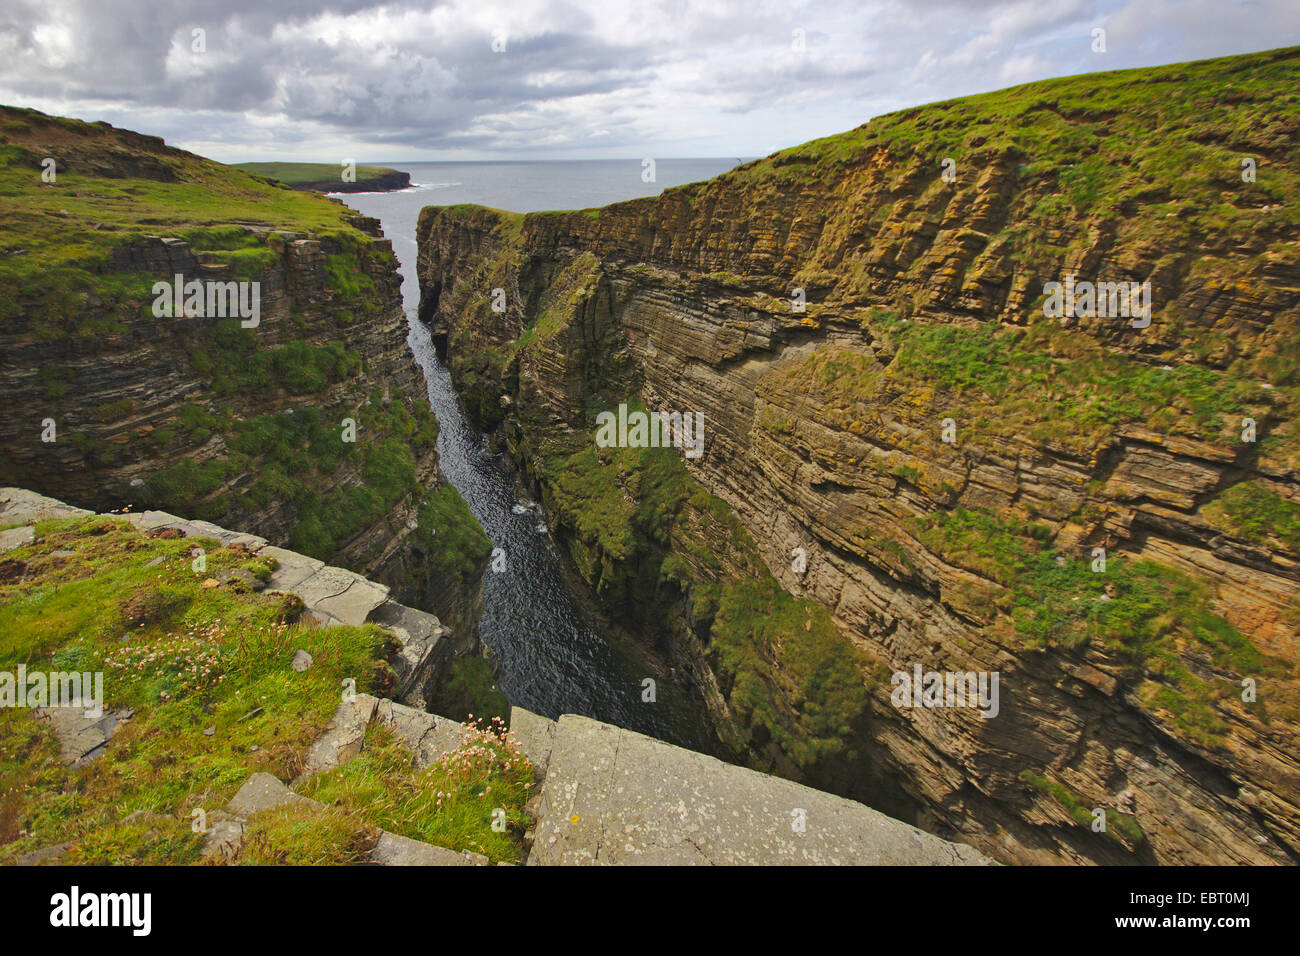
pixel 556 656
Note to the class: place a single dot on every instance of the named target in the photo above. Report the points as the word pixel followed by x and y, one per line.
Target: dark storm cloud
pixel 576 75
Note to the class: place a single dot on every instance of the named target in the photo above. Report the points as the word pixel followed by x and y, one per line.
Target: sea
pixel 557 654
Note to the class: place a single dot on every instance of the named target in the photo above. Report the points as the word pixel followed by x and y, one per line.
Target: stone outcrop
pixel 612 796
pixel 828 309
pixel 201 414
pixel 330 596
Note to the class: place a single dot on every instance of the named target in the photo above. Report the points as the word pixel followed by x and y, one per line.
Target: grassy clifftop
pixel 202 663
pixel 310 427
pixel 1139 143
pixel 114 186
pixel 327 177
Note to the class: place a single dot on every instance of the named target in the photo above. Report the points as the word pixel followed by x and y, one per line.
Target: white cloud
pixel 578 77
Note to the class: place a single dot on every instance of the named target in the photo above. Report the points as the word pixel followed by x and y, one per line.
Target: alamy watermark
pixel 651 430
pixel 946 689
pixel 24 688
pixel 1107 300
pixel 210 299
pixel 129 910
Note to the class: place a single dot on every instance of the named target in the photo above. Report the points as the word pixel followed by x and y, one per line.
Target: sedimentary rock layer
pixel 305 422
pixel 887 402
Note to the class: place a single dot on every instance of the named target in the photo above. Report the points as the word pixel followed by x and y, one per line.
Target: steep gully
pixel 556 654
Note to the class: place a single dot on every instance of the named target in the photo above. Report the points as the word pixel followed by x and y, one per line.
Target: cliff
pixel 303 420
pixel 252 646
pixel 909 462
pixel 201 658
pixel 327 177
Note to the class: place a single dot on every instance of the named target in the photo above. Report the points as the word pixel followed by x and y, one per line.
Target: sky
pixel 415 80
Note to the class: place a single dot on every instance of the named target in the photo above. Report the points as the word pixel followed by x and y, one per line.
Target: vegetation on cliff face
pixel 1121 827
pixel 93 594
pixel 273 428
pixel 1173 446
pixel 656 546
pixel 1147 615
pixel 772 650
pixel 295 453
pixel 1257 513
pixel 452 534
pixel 1054 385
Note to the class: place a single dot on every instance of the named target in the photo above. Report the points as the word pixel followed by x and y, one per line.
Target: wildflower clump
pixel 173 666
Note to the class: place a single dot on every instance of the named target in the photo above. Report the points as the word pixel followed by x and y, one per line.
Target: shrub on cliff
pixel 451 534
pixel 794 679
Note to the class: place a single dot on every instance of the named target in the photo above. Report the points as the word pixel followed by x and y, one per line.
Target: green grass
pixel 775 651
pixel 1102 138
pixel 301 174
pixel 449 804
pixel 1044 384
pixel 303 835
pixel 348 280
pixel 452 534
pixel 292 453
pixel 186 658
pixel 1156 621
pixel 64 227
pixel 1254 511
pixel 1120 827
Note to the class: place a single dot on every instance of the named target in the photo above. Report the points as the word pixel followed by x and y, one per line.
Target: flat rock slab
pixel 250 541
pixel 148 520
pixel 12 538
pixel 294 568
pixel 262 791
pixel 613 796
pixel 394 850
pixel 420 625
pixel 81 737
pixel 427 736
pixel 341 594
pixel 20 506
pixel 332 595
pixel 343 737
pixel 535 736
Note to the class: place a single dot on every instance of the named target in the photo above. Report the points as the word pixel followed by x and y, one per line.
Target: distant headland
pixel 331 177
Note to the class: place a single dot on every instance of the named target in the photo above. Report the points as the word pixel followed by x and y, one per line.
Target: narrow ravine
pixel 556 656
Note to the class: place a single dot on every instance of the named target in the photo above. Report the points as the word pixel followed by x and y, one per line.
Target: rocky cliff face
pixel 384 182
pixel 933 462
pixel 303 421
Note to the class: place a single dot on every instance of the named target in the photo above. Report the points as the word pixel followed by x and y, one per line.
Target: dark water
pixel 555 655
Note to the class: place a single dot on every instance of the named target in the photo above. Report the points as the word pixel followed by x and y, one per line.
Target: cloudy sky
pixel 413 80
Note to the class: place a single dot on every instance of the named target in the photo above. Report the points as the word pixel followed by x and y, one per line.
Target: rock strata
pixel 838 312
